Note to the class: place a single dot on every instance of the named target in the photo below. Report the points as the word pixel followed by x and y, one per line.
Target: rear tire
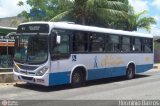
pixel 130 73
pixel 78 79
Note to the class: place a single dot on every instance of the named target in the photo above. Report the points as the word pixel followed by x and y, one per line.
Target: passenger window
pixel 137 46
pixel 112 43
pixel 96 42
pixel 147 45
pixel 126 44
pixel 80 42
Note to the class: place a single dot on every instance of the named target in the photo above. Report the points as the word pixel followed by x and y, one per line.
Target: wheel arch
pixel 81 66
pixel 131 63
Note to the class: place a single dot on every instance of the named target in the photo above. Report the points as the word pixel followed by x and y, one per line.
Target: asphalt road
pixel 145 86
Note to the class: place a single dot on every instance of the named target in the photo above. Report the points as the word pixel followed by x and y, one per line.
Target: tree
pixel 24 13
pixel 44 9
pixel 116 14
pixel 139 21
pixel 20 3
pixel 105 13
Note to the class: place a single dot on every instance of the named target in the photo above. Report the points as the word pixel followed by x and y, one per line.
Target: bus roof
pixel 72 26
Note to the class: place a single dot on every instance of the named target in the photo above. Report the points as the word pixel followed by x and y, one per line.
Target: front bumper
pixel 40 80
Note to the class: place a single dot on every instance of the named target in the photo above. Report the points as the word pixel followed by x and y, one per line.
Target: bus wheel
pixel 130 73
pixel 78 79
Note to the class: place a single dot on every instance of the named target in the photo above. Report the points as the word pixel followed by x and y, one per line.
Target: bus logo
pixel 26 72
pixel 74 58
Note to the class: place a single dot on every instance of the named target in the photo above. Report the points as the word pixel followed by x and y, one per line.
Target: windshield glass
pixel 31 49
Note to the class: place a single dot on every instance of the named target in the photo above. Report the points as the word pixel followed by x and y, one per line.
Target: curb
pixel 6 77
pixel 11 84
pixel 156 66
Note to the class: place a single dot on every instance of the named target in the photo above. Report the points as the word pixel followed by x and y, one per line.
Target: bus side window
pixel 137 45
pixel 97 42
pixel 112 43
pixel 147 45
pixel 126 44
pixel 80 42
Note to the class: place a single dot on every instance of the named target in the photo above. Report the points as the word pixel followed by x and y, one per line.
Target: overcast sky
pixel 9 8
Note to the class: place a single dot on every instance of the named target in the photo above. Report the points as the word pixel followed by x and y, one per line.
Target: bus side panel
pixel 147 61
pixel 112 65
pixel 98 66
pixel 119 71
pixel 143 68
pixel 60 72
pixel 59 78
pixel 106 73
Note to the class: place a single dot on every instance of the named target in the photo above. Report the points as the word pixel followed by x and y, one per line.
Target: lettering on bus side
pixel 109 60
pixel 147 59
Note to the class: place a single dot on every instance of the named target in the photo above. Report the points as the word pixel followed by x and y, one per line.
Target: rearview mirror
pixel 58 40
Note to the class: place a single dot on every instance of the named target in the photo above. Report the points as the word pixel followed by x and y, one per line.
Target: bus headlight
pixel 41 71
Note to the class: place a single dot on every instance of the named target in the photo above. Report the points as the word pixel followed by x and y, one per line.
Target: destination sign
pixel 33 28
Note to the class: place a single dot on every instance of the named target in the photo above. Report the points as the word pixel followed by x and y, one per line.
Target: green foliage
pixel 50 7
pixel 156 45
pixel 117 14
pixel 104 13
pixel 140 21
pixel 24 14
pixel 20 3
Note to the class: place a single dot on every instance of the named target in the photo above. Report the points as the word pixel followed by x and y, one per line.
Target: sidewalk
pixel 6 77
pixel 156 66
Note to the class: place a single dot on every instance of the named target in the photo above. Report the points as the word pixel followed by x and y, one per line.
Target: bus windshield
pixel 31 49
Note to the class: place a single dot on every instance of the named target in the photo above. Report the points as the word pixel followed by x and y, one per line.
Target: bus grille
pixel 24 72
pixel 27 67
pixel 27 78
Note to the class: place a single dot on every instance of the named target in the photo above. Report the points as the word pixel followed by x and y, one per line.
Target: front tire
pixel 130 73
pixel 78 79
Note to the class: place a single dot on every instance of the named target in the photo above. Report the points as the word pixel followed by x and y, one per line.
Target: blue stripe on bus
pixel 106 73
pixel 64 77
pixel 143 68
pixel 115 71
pixel 59 78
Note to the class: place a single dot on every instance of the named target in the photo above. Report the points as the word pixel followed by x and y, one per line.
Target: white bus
pixel 54 53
